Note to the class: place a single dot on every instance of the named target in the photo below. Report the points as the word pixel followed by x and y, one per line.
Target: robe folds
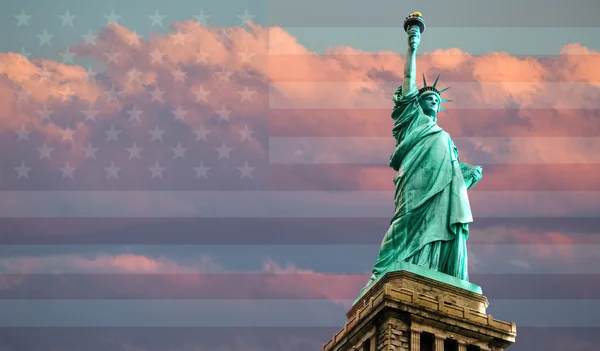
pixel 432 210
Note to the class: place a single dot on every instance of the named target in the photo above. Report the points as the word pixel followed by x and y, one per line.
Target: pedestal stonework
pixel 404 311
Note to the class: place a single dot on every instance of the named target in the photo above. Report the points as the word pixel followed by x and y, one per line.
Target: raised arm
pixel 405 98
pixel 410 65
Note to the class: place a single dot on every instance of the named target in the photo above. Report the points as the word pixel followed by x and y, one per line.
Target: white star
pixel 178 75
pixel 246 55
pixel 22 95
pixel 67 18
pixel 246 133
pixel 90 151
pixel 90 38
pixel 246 94
pixel 223 76
pixel 112 56
pixel 246 170
pixel 156 18
pixel 45 113
pixel 134 38
pixel 179 38
pixel 67 134
pixel 25 55
pixel 134 75
pixel 112 17
pixel 134 114
pixel 23 134
pixel 156 170
pixel 67 56
pixel 201 171
pixel 90 75
pixel 45 151
pixel 201 94
pixel 157 94
pixel 112 133
pixel 45 75
pixel 246 17
pixel 134 151
pixel 112 94
pixel 201 133
pixel 223 113
pixel 112 171
pixel 223 151
pixel 22 19
pixel 179 151
pixel 90 114
pixel 67 171
pixel 201 56
pixel 23 170
pixel 157 56
pixel 45 38
pixel 179 114
pixel 67 94
pixel 157 134
pixel 201 18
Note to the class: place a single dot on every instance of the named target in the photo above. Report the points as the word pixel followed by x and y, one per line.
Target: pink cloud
pixel 308 283
pixel 521 81
pixel 125 263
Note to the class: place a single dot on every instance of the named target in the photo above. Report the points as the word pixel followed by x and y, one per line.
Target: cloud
pixel 123 263
pixel 306 282
pixel 237 58
pixel 244 59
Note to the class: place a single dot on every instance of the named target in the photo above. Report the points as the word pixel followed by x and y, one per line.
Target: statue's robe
pixel 432 210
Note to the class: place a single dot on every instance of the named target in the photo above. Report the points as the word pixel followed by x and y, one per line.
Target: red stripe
pixel 497 177
pixel 459 123
pixel 246 338
pixel 275 231
pixel 271 286
pixel 386 67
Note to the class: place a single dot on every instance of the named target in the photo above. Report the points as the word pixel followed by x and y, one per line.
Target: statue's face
pixel 430 104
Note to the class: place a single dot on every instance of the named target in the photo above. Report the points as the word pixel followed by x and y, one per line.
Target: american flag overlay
pixel 203 175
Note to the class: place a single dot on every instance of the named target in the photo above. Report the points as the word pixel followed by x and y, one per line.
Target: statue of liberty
pixel 429 228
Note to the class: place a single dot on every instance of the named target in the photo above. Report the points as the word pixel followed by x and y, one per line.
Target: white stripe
pixel 259 313
pixel 280 204
pixel 250 259
pixel 475 41
pixel 469 13
pixel 478 150
pixel 465 95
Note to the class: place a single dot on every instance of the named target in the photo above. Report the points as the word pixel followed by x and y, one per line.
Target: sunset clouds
pixel 207 93
pixel 271 157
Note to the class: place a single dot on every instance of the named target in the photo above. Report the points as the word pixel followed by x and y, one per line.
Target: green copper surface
pixel 430 226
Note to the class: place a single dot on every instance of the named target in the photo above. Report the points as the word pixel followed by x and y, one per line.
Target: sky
pixel 221 183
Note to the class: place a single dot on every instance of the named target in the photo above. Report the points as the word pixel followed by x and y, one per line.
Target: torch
pixel 414 19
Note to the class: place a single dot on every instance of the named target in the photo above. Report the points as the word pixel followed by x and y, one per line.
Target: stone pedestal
pixel 405 311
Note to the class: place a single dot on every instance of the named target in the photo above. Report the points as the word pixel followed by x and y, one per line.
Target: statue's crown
pixel 431 89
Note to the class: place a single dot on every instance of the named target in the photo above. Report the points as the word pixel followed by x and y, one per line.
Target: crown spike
pixel 436 80
pixel 427 89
